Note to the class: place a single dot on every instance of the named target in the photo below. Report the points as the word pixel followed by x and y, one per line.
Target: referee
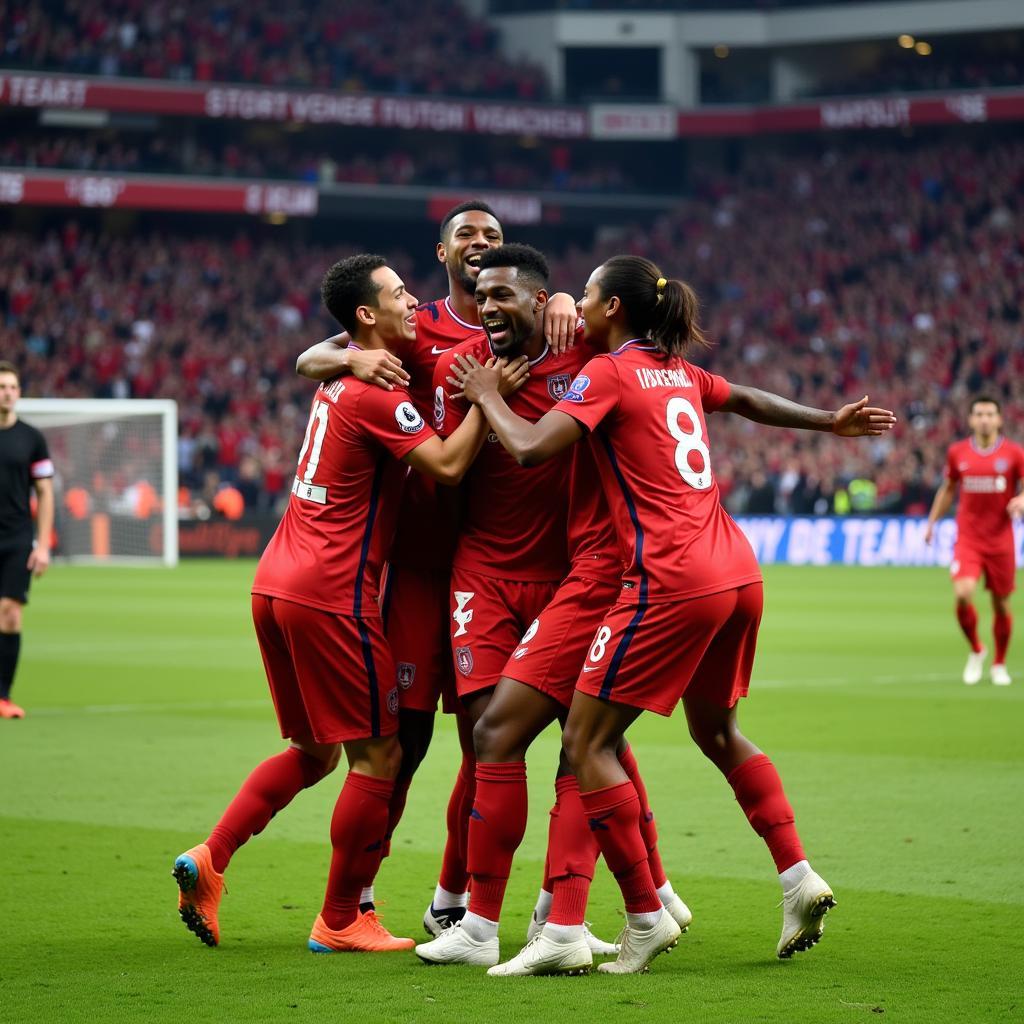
pixel 24 464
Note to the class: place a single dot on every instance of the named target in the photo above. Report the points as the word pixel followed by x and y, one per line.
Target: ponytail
pixel 663 309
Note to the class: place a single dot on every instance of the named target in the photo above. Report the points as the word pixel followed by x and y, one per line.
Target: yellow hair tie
pixel 661 286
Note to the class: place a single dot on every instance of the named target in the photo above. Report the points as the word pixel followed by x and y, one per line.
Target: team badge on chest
pixel 558 385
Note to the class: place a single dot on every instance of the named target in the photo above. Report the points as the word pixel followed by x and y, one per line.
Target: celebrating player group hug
pixel 574 565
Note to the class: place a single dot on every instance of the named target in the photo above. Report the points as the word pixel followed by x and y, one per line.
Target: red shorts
pixel 331 676
pixel 488 617
pixel 999 567
pixel 552 650
pixel 649 656
pixel 414 610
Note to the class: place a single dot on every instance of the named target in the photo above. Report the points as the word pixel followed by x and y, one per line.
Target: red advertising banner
pixel 154 192
pixel 253 103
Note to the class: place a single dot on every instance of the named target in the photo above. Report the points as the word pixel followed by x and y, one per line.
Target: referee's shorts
pixel 15 576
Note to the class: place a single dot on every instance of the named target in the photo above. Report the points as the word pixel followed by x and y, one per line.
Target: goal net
pixel 115 476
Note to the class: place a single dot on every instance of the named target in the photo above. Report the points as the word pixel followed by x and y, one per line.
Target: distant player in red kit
pixel 415 590
pixel 685 623
pixel 990 472
pixel 315 609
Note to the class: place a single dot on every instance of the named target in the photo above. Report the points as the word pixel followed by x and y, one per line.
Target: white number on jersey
pixel 692 441
pixel 600 644
pixel 319 417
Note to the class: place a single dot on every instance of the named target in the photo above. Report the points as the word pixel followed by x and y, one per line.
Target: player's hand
pixel 560 318
pixel 929 533
pixel 860 420
pixel 38 561
pixel 513 374
pixel 377 366
pixel 472 379
pixel 1015 507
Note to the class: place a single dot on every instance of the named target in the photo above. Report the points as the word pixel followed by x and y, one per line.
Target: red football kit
pixel 415 589
pixel 512 551
pixel 316 587
pixel 988 479
pixel 687 614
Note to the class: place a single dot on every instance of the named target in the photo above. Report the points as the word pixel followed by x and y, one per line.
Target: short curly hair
pixel 466 207
pixel 348 285
pixel 530 262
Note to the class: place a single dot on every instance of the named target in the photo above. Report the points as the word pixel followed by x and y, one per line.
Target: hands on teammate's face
pixel 858 420
pixel 472 379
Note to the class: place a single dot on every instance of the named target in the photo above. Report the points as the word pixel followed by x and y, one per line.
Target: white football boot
pixel 597 946
pixel 681 913
pixel 974 667
pixel 456 946
pixel 999 675
pixel 803 914
pixel 544 955
pixel 639 946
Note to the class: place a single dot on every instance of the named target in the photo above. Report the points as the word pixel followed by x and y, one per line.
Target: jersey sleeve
pixel 951 471
pixel 390 418
pixel 40 466
pixel 448 412
pixel 714 390
pixel 593 394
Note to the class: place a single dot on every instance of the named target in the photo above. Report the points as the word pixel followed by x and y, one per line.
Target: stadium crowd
pixel 427 47
pixel 433 163
pixel 895 272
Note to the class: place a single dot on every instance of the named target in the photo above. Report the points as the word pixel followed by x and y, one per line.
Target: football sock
pixel 647 827
pixel 366 899
pixel 454 873
pixel 270 787
pixel 563 932
pixel 759 792
pixel 572 854
pixel 1002 626
pixel 968 619
pixel 497 825
pixel 643 921
pixel 792 876
pixel 613 815
pixel 543 905
pixel 396 809
pixel 357 836
pixel 10 648
pixel 445 900
pixel 665 893
pixel 479 928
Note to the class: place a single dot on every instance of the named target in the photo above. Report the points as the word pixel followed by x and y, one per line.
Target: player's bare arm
pixel 39 559
pixel 448 461
pixel 941 504
pixel 857 419
pixel 333 358
pixel 528 443
pixel 1015 506
pixel 560 319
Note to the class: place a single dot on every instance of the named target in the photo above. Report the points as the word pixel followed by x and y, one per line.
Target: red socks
pixel 395 810
pixel 497 825
pixel 572 854
pixel 454 873
pixel 1002 626
pixel 357 834
pixel 647 827
pixel 759 792
pixel 613 815
pixel 270 787
pixel 968 619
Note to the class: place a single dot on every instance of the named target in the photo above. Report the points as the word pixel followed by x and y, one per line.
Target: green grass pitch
pixel 147 707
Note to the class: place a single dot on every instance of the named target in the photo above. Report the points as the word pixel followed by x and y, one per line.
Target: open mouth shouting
pixel 498 329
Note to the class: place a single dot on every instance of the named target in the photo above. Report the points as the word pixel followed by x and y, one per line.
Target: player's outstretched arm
pixel 528 443
pixel 333 358
pixel 448 461
pixel 857 419
pixel 941 504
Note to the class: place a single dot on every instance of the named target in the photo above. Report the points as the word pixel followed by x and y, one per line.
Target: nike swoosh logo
pixel 589 668
pixel 435 351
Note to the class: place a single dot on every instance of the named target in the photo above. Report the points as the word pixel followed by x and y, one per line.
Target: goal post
pixel 115 476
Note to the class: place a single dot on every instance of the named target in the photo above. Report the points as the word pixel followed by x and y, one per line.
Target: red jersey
pixel 988 478
pixel 594 548
pixel 328 549
pixel 646 413
pixel 515 523
pixel 426 533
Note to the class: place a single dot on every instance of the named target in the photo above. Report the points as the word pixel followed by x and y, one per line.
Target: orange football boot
pixel 8 709
pixel 199 892
pixel 364 935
